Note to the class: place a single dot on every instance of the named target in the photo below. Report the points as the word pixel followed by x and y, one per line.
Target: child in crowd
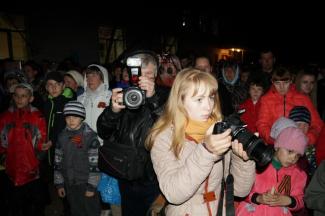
pixel 75 172
pixel 74 80
pixel 252 104
pixel 23 135
pixel 279 189
pixel 302 117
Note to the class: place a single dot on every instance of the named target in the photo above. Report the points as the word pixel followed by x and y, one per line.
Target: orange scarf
pixel 197 129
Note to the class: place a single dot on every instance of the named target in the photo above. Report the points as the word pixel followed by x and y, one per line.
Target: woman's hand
pixel 237 149
pixel 218 144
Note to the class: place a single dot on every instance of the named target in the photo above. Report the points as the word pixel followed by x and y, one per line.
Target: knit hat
pixel 54 75
pixel 281 124
pixel 300 114
pixel 74 108
pixel 292 139
pixel 76 76
pixel 22 85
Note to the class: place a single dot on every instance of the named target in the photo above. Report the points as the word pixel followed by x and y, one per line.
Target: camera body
pixel 254 146
pixel 134 96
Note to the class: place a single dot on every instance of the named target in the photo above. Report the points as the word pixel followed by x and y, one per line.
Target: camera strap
pixel 228 188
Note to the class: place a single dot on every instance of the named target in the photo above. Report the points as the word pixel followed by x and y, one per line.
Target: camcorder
pixel 133 96
pixel 254 146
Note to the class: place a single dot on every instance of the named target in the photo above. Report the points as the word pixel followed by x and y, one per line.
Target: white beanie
pixel 280 125
pixel 77 77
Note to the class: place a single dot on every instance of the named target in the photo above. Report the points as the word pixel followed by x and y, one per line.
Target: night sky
pixel 294 32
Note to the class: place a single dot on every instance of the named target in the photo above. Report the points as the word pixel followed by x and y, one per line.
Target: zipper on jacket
pixel 284 105
pixel 48 131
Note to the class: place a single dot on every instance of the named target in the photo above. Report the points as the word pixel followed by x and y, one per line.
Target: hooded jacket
pixel 96 101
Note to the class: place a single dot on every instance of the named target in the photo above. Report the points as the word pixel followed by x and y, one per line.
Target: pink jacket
pixel 183 180
pixel 272 178
pixel 274 106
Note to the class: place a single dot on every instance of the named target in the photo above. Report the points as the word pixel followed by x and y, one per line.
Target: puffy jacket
pixel 274 106
pixel 250 115
pixel 183 180
pixel 264 182
pixel 23 132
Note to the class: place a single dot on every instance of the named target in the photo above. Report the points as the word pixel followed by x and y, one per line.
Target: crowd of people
pixel 67 127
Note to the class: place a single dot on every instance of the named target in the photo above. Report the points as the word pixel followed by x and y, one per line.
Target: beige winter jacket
pixel 182 180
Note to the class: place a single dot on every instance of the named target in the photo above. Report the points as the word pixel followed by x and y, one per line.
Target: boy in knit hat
pixel 279 189
pixel 75 172
pixel 302 117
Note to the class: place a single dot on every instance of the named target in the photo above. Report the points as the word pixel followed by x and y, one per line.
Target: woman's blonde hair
pixel 175 114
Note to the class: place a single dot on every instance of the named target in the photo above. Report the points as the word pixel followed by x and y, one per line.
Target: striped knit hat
pixel 74 108
pixel 300 114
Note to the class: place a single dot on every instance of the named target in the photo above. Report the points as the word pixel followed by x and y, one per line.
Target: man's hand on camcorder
pixel 117 100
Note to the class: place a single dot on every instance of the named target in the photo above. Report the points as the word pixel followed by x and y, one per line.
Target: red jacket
pixel 23 133
pixel 269 178
pixel 250 115
pixel 274 105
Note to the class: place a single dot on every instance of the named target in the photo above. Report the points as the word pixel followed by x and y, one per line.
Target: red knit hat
pixel 292 139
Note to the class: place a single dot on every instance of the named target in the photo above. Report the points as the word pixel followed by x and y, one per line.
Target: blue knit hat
pixel 300 114
pixel 74 108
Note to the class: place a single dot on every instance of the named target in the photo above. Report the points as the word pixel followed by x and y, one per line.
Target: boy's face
pixel 73 122
pixel 282 86
pixel 54 88
pixel 255 92
pixel 93 81
pixel 22 97
pixel 287 157
pixel 303 126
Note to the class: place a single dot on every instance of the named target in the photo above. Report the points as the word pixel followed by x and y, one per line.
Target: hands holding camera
pixel 219 144
pixel 146 83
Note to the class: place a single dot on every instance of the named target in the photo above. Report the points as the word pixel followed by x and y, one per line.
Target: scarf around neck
pixel 196 130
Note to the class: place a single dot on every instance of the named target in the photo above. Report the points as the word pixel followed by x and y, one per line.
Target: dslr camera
pixel 254 146
pixel 133 96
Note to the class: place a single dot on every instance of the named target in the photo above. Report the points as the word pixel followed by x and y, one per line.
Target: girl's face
pixel 73 122
pixel 307 83
pixel 287 157
pixel 255 92
pixel 200 106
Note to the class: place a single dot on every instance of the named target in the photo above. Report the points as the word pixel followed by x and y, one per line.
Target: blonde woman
pixel 188 159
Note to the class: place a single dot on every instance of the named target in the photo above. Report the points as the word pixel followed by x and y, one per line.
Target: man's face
pixel 203 64
pixel 267 61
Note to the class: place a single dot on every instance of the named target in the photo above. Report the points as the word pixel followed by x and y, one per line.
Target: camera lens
pixel 133 97
pixel 255 148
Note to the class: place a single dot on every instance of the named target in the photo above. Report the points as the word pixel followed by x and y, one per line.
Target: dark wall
pixel 59 35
